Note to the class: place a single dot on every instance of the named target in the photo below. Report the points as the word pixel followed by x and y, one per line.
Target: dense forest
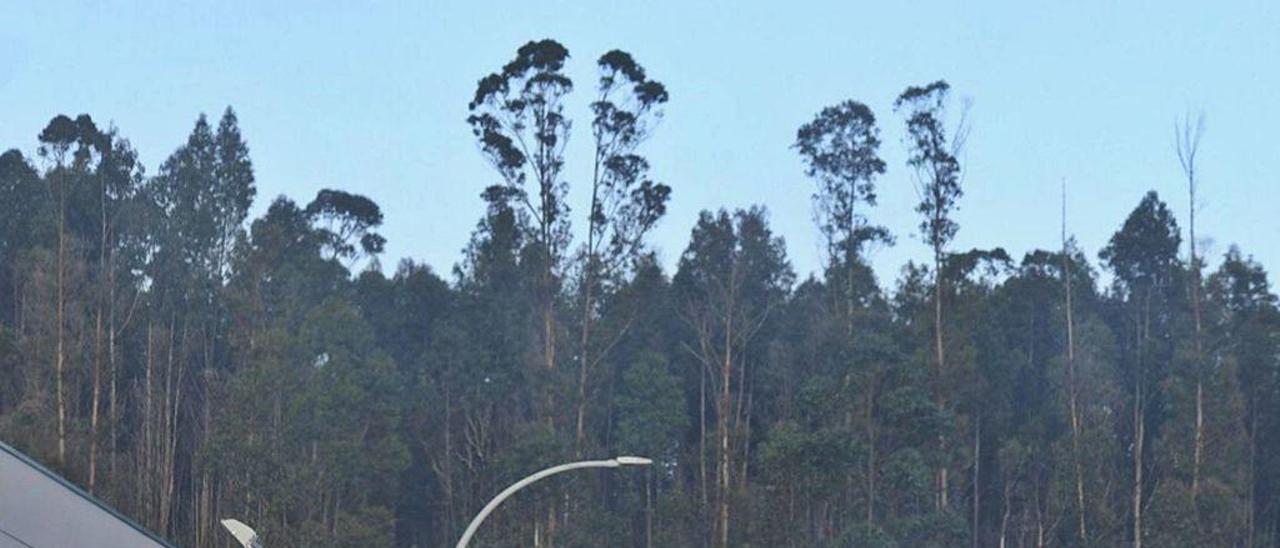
pixel 186 363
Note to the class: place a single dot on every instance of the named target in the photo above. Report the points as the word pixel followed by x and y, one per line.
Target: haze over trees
pixel 186 363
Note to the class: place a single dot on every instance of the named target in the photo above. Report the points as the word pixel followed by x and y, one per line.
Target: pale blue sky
pixel 372 99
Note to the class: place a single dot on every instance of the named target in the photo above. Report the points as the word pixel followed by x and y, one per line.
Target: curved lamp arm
pixel 488 508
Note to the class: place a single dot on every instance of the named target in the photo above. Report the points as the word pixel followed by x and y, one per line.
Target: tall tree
pixel 518 118
pixel 625 202
pixel 1143 255
pixel 840 150
pixel 730 278
pixel 22 198
pixel 1073 380
pixel 933 151
pixel 82 139
pixel 118 183
pixel 200 199
pixel 1187 145
pixel 1247 339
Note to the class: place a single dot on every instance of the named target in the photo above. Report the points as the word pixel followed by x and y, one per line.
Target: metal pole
pixel 493 504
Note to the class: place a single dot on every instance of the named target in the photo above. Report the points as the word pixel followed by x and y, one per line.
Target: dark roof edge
pixel 83 494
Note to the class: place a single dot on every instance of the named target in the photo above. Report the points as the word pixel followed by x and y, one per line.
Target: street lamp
pixel 242 533
pixel 488 508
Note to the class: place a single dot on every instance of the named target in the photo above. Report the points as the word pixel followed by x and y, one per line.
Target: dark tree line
pixel 186 363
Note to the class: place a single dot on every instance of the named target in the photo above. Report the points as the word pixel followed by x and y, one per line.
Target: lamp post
pixel 488 508
pixel 243 534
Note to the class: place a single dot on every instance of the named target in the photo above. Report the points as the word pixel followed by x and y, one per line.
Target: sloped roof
pixel 39 508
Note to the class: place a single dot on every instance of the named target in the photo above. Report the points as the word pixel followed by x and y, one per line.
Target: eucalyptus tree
pixel 101 238
pixel 83 141
pixel 1187 145
pixel 481 374
pixel 120 251
pixel 973 279
pixel 1143 256
pixel 203 192
pixel 234 188
pixel 517 115
pixel 731 277
pixel 933 152
pixel 22 198
pixel 199 201
pixel 625 202
pixel 311 418
pixel 840 148
pixel 347 222
pixel 25 233
pixel 1072 381
pixel 1246 335
pixel 1047 415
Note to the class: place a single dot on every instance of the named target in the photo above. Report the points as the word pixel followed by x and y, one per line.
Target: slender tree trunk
pixel 199 469
pixel 702 434
pixel 726 396
pixel 588 283
pixel 1199 446
pixel 548 293
pixel 549 344
pixel 60 304
pixel 1137 473
pixel 551 524
pixel 113 416
pixel 584 356
pixel 648 509
pixel 723 427
pixel 938 381
pixel 977 466
pixel 871 456
pixel 170 436
pixel 96 398
pixel 146 470
pixel 450 511
pixel 1198 367
pixel 1040 531
pixel 173 409
pixel 1251 517
pixel 1187 144
pixel 100 305
pixel 1198 449
pixel 1004 518
pixel 1139 420
pixel 1073 382
pixel 1081 508
pixel 850 253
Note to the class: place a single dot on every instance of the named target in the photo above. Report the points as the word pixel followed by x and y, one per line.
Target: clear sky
pixel 371 97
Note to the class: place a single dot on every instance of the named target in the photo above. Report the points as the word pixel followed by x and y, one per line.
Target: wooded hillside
pixel 187 363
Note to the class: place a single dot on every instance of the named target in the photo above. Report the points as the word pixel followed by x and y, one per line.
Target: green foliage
pixel 840 149
pixel 933 155
pixel 348 220
pixel 650 410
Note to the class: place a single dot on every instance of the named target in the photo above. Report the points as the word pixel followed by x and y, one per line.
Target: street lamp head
pixel 246 536
pixel 634 461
